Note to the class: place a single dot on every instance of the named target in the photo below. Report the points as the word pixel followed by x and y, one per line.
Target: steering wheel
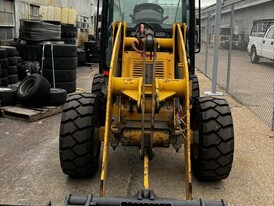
pixel 145 24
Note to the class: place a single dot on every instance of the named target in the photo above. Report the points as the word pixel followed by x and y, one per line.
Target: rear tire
pixel 212 149
pixel 195 89
pixel 97 88
pixel 79 147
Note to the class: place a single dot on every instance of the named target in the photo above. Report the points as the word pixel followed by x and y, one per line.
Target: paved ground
pixel 251 84
pixel 30 172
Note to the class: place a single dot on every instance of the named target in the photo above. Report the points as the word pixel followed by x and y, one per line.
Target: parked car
pixel 261 43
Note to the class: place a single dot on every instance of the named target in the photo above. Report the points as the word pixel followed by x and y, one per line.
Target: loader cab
pixel 161 14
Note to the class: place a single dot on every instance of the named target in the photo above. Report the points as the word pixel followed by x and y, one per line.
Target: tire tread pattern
pixel 97 89
pixel 76 140
pixel 217 143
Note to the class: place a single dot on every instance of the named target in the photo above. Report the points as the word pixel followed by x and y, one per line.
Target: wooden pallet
pixel 29 114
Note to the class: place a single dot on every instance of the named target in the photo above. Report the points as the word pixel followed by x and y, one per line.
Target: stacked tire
pixel 63 73
pixel 13 61
pixel 93 53
pixel 69 34
pixel 31 52
pixel 39 31
pixel 3 67
pixel 7 96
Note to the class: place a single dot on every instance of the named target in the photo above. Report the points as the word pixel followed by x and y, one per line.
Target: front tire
pixel 254 58
pixel 212 149
pixel 79 145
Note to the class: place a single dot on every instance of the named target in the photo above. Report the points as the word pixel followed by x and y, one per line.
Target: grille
pixel 138 69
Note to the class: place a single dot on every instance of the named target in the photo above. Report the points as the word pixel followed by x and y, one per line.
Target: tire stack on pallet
pixel 69 34
pixel 65 65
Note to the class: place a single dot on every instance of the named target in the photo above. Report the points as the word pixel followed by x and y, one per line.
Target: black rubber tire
pixel 21 71
pixel 61 51
pixel 70 41
pixel 37 31
pixel 19 60
pixel 97 88
pixel 35 67
pixel 212 149
pixel 78 147
pixel 254 58
pixel 7 96
pixel 33 90
pixel 28 67
pixel 11 51
pixel 195 89
pixel 61 63
pixel 19 66
pixel 60 75
pixel 3 53
pixel 13 79
pixel 12 61
pixel 70 87
pixel 30 52
pixel 4 81
pixel 4 73
pixel 57 97
pixel 12 70
pixel 4 63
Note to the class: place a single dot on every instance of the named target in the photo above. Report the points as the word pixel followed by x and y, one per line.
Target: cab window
pixel 270 34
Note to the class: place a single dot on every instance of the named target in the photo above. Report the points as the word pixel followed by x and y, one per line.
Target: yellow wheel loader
pixel 147 95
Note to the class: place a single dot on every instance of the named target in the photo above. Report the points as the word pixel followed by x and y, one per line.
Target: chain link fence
pixel 246 53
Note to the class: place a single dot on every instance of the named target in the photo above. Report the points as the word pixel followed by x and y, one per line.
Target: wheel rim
pixel 27 85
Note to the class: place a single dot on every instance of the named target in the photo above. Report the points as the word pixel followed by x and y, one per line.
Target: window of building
pixel 7 20
pixel 34 11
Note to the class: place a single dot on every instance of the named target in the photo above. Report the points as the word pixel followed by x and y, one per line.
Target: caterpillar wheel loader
pixel 147 95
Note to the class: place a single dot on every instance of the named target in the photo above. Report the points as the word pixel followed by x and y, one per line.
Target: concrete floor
pixel 30 171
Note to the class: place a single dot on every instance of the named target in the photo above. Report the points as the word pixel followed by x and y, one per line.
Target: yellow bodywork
pixel 127 112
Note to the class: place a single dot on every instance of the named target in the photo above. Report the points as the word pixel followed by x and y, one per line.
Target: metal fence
pixel 250 81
